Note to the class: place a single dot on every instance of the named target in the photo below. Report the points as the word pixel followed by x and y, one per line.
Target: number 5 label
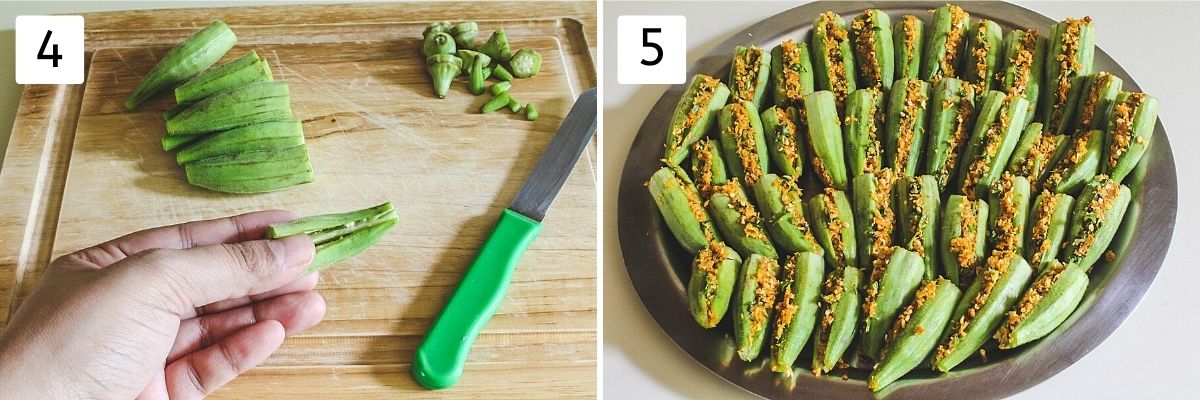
pixel 651 49
pixel 49 49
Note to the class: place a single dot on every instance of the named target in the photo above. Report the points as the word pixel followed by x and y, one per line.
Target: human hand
pixel 174 311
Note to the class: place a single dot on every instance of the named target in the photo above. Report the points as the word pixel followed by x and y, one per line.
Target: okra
pixel 496 103
pixel 874 217
pixel 1024 66
pixel 952 111
pixel 984 48
pixel 708 167
pixel 252 171
pixel 497 46
pixel 945 44
pixel 739 221
pixel 832 58
pixel 864 150
pixel 1096 96
pixel 246 69
pixel 476 79
pixel 531 112
pixel 833 225
pixel 906 126
pixel 262 136
pixel 525 63
pixel 1008 213
pixel 1129 131
pixel 749 74
pixel 714 274
pixel 997 130
pixel 682 209
pixel 796 308
pixel 243 105
pixel 443 68
pixel 172 142
pixel 185 60
pixel 1048 302
pixel 909 39
pixel 1079 162
pixel 468 57
pixel 1071 50
pixel 500 87
pixel 916 331
pixel 1094 221
pixel 436 27
pixel 438 43
pixel 963 238
pixel 791 73
pixel 891 286
pixel 825 138
pixel 779 199
pixel 757 288
pixel 694 115
pixel 873 50
pixel 781 132
pixel 465 33
pixel 514 105
pixel 838 314
pixel 1051 213
pixel 981 309
pixel 920 205
pixel 743 142
pixel 1034 154
pixel 501 73
pixel 339 237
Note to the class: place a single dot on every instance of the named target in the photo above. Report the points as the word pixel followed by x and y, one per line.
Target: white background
pixel 631 52
pixel 1154 354
pixel 65 42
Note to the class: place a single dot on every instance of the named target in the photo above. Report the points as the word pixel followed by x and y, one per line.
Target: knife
pixel 439 360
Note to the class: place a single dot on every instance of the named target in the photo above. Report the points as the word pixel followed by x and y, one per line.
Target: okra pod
pixel 500 87
pixel 1024 66
pixel 743 142
pixel 952 111
pixel 838 314
pixel 864 150
pixel 739 221
pixel 468 57
pixel 984 48
pixel 981 309
pixel 681 208
pixel 243 105
pixel 708 167
pixel 438 43
pixel 172 142
pixel 525 63
pixel 514 105
pixel 443 68
pixel 891 286
pixel 757 288
pixel 997 130
pixel 791 73
pixel 496 103
pixel 1129 131
pixel 920 205
pixel 531 112
pixel 246 69
pixel 779 200
pixel 749 75
pixel 339 236
pixel 1051 213
pixel 945 44
pixel 185 60
pixel 874 217
pixel 465 33
pixel 781 132
pixel 1094 221
pixel 833 226
pixel 963 238
pixel 1008 213
pixel 906 126
pixel 1070 54
pixel 1079 162
pixel 714 274
pixel 909 39
pixel 1096 96
pixel 796 308
pixel 476 79
pixel 497 46
pixel 873 50
pixel 1034 154
pixel 825 138
pixel 262 136
pixel 694 115
pixel 916 331
pixel 1048 302
pixel 436 27
pixel 252 171
pixel 832 58
pixel 501 73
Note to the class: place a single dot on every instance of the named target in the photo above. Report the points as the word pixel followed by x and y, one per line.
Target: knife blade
pixel 438 362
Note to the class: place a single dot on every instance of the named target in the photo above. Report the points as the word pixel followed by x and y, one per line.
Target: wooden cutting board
pixel 81 170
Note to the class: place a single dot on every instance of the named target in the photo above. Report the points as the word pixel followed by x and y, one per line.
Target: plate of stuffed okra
pixel 916 201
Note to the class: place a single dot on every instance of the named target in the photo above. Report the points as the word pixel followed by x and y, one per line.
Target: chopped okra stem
pixel 525 63
pixel 531 112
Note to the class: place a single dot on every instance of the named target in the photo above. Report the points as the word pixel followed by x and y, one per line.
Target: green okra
pixel 252 171
pixel 739 221
pixel 945 43
pixel 874 217
pixel 246 69
pixel 531 112
pixel 714 274
pixel 682 209
pixel 833 227
pixel 1096 96
pixel 825 138
pixel 1096 215
pixel 243 105
pixel 981 309
pixel 443 68
pixel 497 46
pixel 1050 299
pixel 708 167
pixel 514 105
pixel 779 200
pixel 743 142
pixel 997 130
pixel 909 39
pixel 465 33
pixel 1070 54
pixel 796 308
pixel 501 73
pixel 791 73
pixel 437 27
pixel 261 136
pixel 873 50
pixel 1008 213
pixel 468 57
pixel 952 111
pixel 496 103
pixel 1078 163
pixel 1034 154
pixel 833 60
pixel 185 60
pixel 906 126
pixel 757 288
pixel 916 331
pixel 339 237
pixel 1051 213
pixel 172 142
pixel 694 115
pixel 781 133
pixel 983 51
pixel 890 287
pixel 838 316
pixel 749 74
pixel 438 43
pixel 1024 66
pixel 500 87
pixel 475 82
pixel 525 63
pixel 963 238
pixel 1129 131
pixel 864 147
pixel 919 207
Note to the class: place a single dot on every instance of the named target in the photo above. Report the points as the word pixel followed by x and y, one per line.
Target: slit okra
pixel 1097 214
pixel 796 308
pixel 833 60
pixel 339 237
pixel 1129 131
pixel 263 136
pixel 1070 53
pixel 963 238
pixel 1096 96
pixel 825 138
pixel 749 75
pixel 1008 212
pixel 743 142
pixel 873 50
pixel 791 73
pixel 708 168
pixel 891 285
pixel 1024 66
pixel 833 226
pixel 982 308
pixel 920 203
pixel 252 171
pixel 1034 154
pixel 945 43
pixel 1051 213
pixel 1050 299
pixel 681 208
pixel 838 315
pixel 909 39
pixel 997 130
pixel 184 61
pixel 916 331
pixel 243 105
pixel 874 217
pixel 738 221
pixel 714 274
pixel 757 287
pixel 952 110
pixel 1078 163
pixel 694 115
pixel 781 133
pixel 779 200
pixel 864 149
pixel 985 47
pixel 245 69
pixel 906 125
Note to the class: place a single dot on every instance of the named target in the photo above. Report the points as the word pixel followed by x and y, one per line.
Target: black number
pixel 647 43
pixel 54 56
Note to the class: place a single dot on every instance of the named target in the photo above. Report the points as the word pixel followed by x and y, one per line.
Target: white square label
pixel 651 49
pixel 49 49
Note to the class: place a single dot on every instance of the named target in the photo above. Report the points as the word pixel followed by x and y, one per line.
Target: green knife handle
pixel 439 361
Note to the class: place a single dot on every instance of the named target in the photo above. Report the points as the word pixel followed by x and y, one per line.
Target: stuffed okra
pixel 796 308
pixel 825 139
pixel 890 287
pixel 1070 54
pixel 952 111
pixel 864 147
pixel 694 115
pixel 1050 299
pixel 873 50
pixel 833 60
pixel 791 73
pixel 838 318
pixel 906 126
pixel 739 221
pixel 782 133
pixel 920 205
pixel 944 43
pixel 714 274
pixel 1097 94
pixel 833 225
pixel 1094 221
pixel 1034 154
pixel 708 167
pixel 909 39
pixel 757 287
pixel 742 141
pixel 963 238
pixel 780 202
pixel 982 308
pixel 1024 66
pixel 681 208
pixel 1129 131
pixel 916 331
pixel 1050 214
pixel 1078 163
pixel 749 75
pixel 997 130
pixel 983 52
pixel 1008 212
pixel 874 217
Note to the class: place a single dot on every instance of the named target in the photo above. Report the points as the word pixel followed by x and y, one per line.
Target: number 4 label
pixel 651 49
pixel 49 49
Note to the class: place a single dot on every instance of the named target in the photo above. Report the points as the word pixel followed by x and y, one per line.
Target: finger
pixel 156 390
pixel 304 283
pixel 200 373
pixel 296 311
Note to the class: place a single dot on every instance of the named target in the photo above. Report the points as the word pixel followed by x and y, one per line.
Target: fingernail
pixel 295 250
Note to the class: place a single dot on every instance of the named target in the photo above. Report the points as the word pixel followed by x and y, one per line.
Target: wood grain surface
pixel 80 170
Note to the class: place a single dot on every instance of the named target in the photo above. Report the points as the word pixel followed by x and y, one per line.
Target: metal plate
pixel 659 267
